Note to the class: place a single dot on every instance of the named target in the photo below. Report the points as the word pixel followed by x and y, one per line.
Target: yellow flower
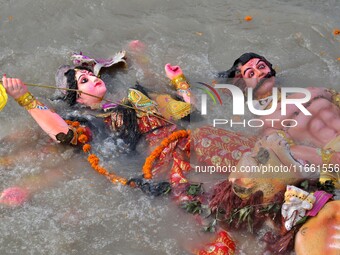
pixel 3 97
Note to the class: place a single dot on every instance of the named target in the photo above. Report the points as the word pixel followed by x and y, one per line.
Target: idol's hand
pixel 13 196
pixel 320 92
pixel 172 71
pixel 14 87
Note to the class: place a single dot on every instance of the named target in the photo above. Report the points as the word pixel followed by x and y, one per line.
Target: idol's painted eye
pixel 261 66
pixel 84 80
pixel 250 74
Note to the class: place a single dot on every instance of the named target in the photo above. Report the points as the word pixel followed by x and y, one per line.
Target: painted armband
pixel 29 102
pixel 182 87
pixel 335 97
pixel 283 134
pixel 326 155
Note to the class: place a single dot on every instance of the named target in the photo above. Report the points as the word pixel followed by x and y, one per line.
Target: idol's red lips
pixel 97 84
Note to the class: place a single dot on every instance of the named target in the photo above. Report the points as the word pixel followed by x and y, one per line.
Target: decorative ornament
pixel 94 64
pixel 297 202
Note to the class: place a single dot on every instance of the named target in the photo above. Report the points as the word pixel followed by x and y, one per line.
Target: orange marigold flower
pixel 87 147
pixel 101 170
pixel 94 164
pixel 83 138
pixel 148 176
pixel 153 157
pixel 336 32
pixel 248 18
pixel 80 130
pixel 75 124
pixel 93 159
pixel 115 180
pixel 338 59
pixel 164 144
pixel 158 150
pixel 68 122
pixel 122 181
pixel 92 156
pixel 146 166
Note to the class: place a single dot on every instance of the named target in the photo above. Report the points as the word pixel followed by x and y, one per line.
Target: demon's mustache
pixel 260 83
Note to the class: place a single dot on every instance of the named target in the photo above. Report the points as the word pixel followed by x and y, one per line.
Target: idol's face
pixel 90 84
pixel 255 74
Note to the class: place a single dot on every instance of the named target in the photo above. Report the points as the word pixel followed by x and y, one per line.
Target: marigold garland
pixel 94 162
pixel 147 167
pixel 92 158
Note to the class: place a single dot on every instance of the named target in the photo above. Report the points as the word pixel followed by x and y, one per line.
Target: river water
pixel 77 211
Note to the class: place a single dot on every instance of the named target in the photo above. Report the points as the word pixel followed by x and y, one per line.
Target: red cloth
pixel 322 198
pixel 147 123
pixel 219 147
pixel 223 245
